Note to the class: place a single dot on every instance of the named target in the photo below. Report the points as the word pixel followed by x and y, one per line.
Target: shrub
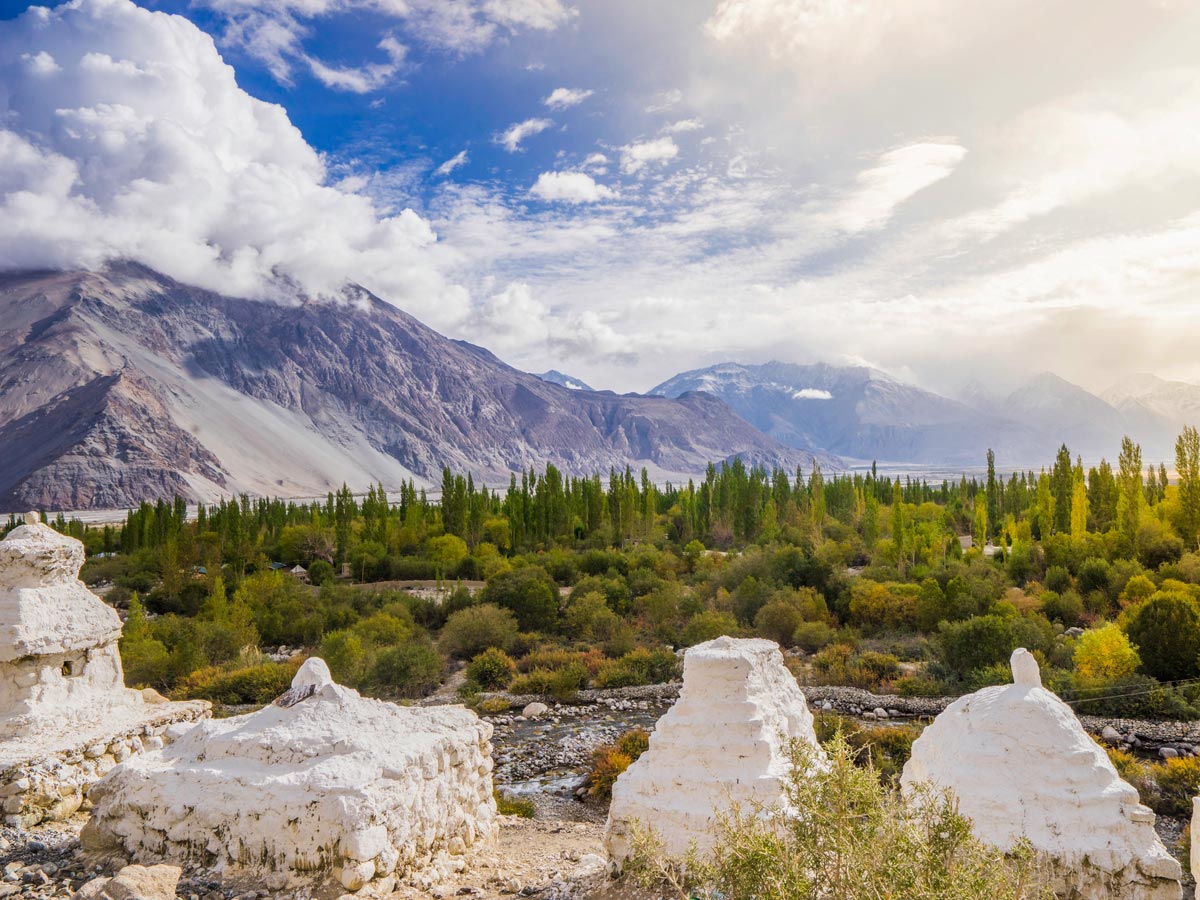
pixel 812 636
pixel 610 760
pixel 639 666
pixel 975 643
pixel 529 593
pixel 1065 608
pixel 493 706
pixel 709 624
pixel 260 684
pixel 871 841
pixel 410 669
pixel 1178 782
pixel 320 571
pixel 492 670
pixel 508 805
pixel 470 631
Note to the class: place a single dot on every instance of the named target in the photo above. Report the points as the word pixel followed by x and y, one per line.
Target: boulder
pixel 134 883
pixel 323 782
pixel 724 742
pixel 535 710
pixel 1023 768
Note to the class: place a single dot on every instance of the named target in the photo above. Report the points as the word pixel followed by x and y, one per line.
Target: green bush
pixel 492 670
pixel 469 632
pixel 529 593
pixel 813 636
pixel 252 684
pixel 410 669
pixel 508 805
pixel 867 840
pixel 638 667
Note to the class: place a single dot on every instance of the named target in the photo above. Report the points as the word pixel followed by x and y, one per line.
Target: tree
pixel 447 551
pixel 981 522
pixel 1130 498
pixel 1079 504
pixel 1187 468
pixel 1166 631
pixel 1062 484
pixel 993 492
pixel 1105 654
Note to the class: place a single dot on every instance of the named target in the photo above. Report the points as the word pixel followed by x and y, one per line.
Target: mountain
pixel 1155 403
pixel 862 413
pixel 568 381
pixel 122 385
pixel 852 411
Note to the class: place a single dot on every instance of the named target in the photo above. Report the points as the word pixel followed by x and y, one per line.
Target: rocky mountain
pixel 568 381
pixel 1155 403
pixel 123 385
pixel 862 413
pixel 853 411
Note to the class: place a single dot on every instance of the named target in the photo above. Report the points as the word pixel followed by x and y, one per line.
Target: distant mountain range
pixel 575 384
pixel 123 385
pixel 864 414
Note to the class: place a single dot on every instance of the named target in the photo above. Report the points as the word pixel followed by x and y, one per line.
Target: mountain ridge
pixel 155 387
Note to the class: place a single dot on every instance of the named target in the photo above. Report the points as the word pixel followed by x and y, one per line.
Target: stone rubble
pixel 66 716
pixel 723 743
pixel 323 783
pixel 1022 768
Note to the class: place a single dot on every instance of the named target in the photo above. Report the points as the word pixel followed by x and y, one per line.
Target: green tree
pixel 530 593
pixel 1187 468
pixel 1166 631
pixel 470 631
pixel 1130 498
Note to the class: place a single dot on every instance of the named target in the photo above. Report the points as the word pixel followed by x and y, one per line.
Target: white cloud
pixel 665 101
pixel 899 174
pixel 458 159
pixel 141 145
pixel 570 187
pixel 512 137
pixel 561 98
pixel 274 31
pixel 811 394
pixel 636 156
pixel 362 79
pixel 682 126
pixel 41 63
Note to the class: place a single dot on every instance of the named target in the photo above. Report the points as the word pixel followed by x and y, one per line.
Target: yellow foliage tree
pixel 1105 654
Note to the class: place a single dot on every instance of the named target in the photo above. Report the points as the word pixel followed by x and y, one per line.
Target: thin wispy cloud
pixel 513 136
pixel 563 98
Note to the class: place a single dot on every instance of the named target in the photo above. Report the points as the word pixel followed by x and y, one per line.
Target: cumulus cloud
pixel 274 31
pixel 512 137
pixel 682 126
pixel 458 159
pixel 561 98
pixel 898 175
pixel 635 157
pixel 570 187
pixel 138 143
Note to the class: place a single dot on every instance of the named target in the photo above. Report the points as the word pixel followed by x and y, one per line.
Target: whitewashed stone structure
pixel 1022 767
pixel 323 782
pixel 724 742
pixel 66 716
pixel 1195 831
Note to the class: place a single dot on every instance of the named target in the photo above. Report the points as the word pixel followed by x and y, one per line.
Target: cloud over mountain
pixel 125 135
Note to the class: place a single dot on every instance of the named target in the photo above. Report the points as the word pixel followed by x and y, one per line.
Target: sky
pixel 624 190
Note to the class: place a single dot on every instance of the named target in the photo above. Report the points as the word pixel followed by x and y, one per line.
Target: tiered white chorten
pixel 65 713
pixel 323 782
pixel 724 742
pixel 1022 767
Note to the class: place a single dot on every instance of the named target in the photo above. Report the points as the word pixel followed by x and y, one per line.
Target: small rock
pixel 1111 735
pixel 35 846
pixel 1168 753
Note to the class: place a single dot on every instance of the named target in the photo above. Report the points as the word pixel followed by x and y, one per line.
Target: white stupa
pixel 1022 767
pixel 323 782
pixel 65 713
pixel 724 742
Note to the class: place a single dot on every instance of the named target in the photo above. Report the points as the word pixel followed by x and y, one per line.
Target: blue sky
pixel 950 194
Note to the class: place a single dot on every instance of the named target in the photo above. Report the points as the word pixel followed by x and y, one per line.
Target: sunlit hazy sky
pixel 623 190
